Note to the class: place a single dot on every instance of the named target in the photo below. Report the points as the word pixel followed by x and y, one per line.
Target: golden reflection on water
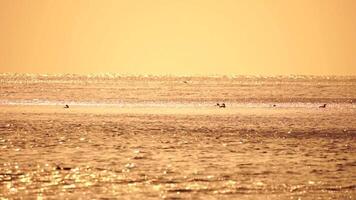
pixel 240 153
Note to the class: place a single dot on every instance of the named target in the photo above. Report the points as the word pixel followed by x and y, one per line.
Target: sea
pixel 169 137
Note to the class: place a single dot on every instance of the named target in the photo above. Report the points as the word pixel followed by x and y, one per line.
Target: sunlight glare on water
pixel 135 137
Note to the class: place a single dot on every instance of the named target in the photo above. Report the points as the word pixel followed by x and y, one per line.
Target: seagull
pixel 323 106
pixel 221 106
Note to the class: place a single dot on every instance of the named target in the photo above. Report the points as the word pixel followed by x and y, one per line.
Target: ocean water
pixel 134 137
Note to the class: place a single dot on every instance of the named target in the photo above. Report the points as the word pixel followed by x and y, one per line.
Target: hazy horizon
pixel 175 75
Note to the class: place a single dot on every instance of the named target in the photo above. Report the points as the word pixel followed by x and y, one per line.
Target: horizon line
pixel 116 74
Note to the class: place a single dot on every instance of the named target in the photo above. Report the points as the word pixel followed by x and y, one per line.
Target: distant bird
pixel 221 106
pixel 274 105
pixel 323 106
pixel 66 106
pixel 185 81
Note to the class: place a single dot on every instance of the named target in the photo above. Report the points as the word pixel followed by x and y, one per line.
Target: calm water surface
pixel 163 137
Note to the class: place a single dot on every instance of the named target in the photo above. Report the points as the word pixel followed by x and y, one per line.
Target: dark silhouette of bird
pixel 221 106
pixel 66 106
pixel 274 105
pixel 323 106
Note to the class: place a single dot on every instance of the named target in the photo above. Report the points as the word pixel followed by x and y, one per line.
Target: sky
pixel 179 37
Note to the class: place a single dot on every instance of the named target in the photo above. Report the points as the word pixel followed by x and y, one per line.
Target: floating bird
pixel 274 105
pixel 221 106
pixel 66 106
pixel 63 168
pixel 323 106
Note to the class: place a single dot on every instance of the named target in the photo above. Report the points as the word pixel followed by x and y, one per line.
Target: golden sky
pixel 180 37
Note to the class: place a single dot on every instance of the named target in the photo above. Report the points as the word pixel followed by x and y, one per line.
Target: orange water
pixel 164 145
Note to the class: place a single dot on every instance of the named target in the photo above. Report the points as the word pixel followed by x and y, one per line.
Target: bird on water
pixel 221 106
pixel 66 106
pixel 323 106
